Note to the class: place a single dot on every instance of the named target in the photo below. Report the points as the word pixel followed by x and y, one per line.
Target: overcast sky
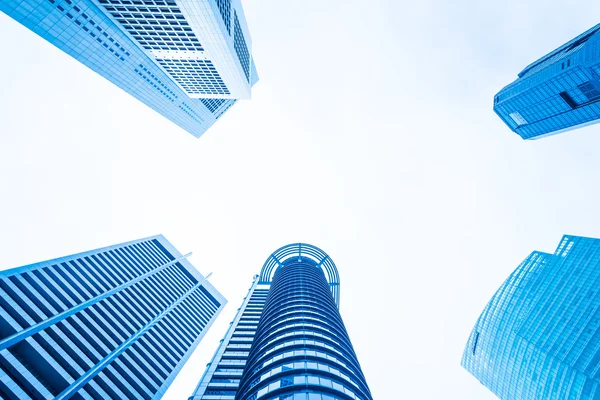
pixel 370 134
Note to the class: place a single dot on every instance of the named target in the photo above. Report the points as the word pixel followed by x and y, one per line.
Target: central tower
pixel 288 340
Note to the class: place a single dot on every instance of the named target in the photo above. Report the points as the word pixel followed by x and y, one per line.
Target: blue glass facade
pixel 539 336
pixel 169 54
pixel 288 340
pixel 113 323
pixel 556 93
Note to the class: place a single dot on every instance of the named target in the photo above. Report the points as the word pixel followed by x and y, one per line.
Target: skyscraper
pixel 556 93
pixel 539 336
pixel 287 340
pixel 113 323
pixel 188 60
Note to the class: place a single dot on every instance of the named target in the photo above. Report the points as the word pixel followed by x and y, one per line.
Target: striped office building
pixel 287 341
pixel 113 323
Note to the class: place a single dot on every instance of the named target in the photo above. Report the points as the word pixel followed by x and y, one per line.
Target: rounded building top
pixel 302 252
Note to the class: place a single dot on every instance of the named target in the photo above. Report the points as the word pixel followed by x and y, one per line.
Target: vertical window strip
pixel 9 387
pixel 132 253
pixel 148 356
pixel 66 330
pixel 73 282
pixel 33 295
pixel 44 291
pixel 14 310
pixel 177 279
pixel 88 335
pixel 99 314
pixel 191 315
pixel 106 271
pixel 54 287
pixel 161 289
pixel 123 260
pixel 85 279
pixel 118 267
pixel 185 275
pixel 162 249
pixel 58 354
pixel 144 372
pixel 33 385
pixel 149 286
pixel 167 285
pixel 141 307
pixel 151 305
pixel 149 366
pixel 123 312
pixel 74 295
pixel 187 325
pixel 145 383
pixel 118 380
pixel 160 349
pixel 210 297
pixel 159 250
pixel 70 329
pixel 101 277
pixel 176 323
pixel 70 348
pixel 151 253
pixel 133 308
pixel 133 377
pixel 98 330
pixel 95 390
pixel 204 314
pixel 134 319
pixel 184 337
pixel 206 305
pixel 145 256
pixel 108 309
pixel 171 336
pixel 108 386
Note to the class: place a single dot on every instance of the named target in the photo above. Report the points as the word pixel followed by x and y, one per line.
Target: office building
pixel 113 323
pixel 557 93
pixel 539 336
pixel 188 60
pixel 287 340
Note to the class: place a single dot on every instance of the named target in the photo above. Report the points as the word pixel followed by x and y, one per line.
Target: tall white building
pixel 188 60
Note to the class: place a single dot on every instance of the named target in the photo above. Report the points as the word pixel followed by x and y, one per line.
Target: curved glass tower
pixel 539 336
pixel 297 348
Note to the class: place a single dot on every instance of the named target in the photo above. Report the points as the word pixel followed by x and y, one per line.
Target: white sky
pixel 371 135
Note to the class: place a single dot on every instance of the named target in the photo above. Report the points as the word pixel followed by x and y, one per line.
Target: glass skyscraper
pixel 113 323
pixel 539 336
pixel 558 92
pixel 188 60
pixel 287 340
